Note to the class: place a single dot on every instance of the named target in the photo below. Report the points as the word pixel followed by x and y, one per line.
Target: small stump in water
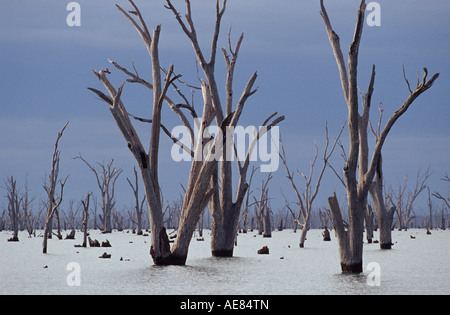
pixel 264 251
pixel 71 235
pixel 105 255
pixel 326 235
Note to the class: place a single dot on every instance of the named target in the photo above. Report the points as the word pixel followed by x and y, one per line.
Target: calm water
pixel 413 266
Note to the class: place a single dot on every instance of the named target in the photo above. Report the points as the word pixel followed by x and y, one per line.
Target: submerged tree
pixel 306 201
pixel 139 205
pixel 358 171
pixel 106 181
pixel 53 202
pixel 198 191
pixel 403 200
pixel 225 209
pixel 14 207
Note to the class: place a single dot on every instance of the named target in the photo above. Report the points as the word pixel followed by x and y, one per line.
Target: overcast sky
pixel 46 69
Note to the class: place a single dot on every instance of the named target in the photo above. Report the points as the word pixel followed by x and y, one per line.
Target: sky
pixel 46 69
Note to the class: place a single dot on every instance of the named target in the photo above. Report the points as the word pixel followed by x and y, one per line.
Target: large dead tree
pixel 53 202
pixel 198 190
pixel 225 209
pixel 358 171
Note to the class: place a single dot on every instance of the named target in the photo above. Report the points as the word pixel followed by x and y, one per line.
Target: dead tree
pixel 29 219
pixel 53 203
pixel 262 210
pixel 14 207
pixel 446 178
pixel 404 198
pixel 358 171
pixel 368 220
pixel 198 191
pixel 225 209
pixel 139 205
pixel 85 218
pixel 384 216
pixel 305 202
pixel 246 209
pixel 106 182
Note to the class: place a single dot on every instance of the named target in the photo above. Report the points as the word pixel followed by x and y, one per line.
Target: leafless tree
pixel 53 203
pixel 29 219
pixel 246 207
pixel 200 188
pixel 263 210
pixel 139 205
pixel 106 181
pixel 404 198
pixel 305 202
pixel 85 204
pixel 225 209
pixel 384 216
pixel 446 201
pixel 358 171
pixel 198 191
pixel 14 207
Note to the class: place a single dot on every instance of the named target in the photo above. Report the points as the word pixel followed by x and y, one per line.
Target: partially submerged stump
pixel 263 251
pixel 93 243
pixel 105 256
pixel 106 244
pixel 71 235
pixel 326 235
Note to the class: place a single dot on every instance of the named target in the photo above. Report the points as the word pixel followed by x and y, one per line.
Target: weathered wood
pixel 52 204
pixel 358 184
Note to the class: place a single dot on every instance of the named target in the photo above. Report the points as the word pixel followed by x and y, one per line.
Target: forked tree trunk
pixel 225 210
pixel 357 185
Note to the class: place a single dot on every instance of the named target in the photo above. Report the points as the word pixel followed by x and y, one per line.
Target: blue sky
pixel 46 68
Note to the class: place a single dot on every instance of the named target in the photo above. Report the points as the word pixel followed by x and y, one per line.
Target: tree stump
pixel 326 235
pixel 105 256
pixel 263 251
pixel 71 235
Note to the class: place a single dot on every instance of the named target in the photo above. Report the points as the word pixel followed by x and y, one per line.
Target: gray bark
pixel 225 211
pixel 52 204
pixel 359 171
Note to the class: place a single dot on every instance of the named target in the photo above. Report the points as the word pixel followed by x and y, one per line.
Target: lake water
pixel 419 265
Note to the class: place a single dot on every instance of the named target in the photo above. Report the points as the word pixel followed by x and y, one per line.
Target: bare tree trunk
pixel 384 217
pixel 368 220
pixel 14 204
pixel 85 218
pixel 357 185
pixel 225 212
pixel 267 222
pixel 52 204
